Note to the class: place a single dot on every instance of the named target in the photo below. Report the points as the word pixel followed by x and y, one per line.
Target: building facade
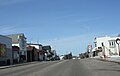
pixel 106 46
pixel 48 54
pixel 35 50
pixel 5 50
pixel 16 57
pixel 20 41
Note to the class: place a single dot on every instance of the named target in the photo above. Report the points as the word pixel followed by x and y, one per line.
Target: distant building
pixel 84 55
pixel 35 52
pixel 5 50
pixel 81 55
pixel 89 50
pixel 20 41
pixel 68 56
pixel 54 56
pixel 106 46
pixel 62 57
pixel 48 52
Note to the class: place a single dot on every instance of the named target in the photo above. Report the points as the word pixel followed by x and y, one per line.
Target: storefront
pixel 16 56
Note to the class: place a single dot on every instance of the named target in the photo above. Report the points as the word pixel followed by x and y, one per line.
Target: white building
pixel 5 50
pixel 106 46
pixel 20 41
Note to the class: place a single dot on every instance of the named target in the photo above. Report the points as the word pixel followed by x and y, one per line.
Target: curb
pixel 16 65
pixel 109 61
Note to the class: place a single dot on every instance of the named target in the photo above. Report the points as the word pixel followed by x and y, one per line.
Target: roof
pixel 29 48
pixel 5 36
pixel 46 47
pixel 15 37
pixel 33 44
pixel 107 36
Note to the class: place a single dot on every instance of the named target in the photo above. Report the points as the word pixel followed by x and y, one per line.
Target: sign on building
pixel 2 50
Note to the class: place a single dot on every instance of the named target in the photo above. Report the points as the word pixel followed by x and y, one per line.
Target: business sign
pixel 118 41
pixel 2 50
pixel 89 47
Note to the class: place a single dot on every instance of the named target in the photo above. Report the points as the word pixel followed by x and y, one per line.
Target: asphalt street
pixel 77 67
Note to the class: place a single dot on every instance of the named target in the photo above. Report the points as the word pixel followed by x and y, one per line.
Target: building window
pixel 112 43
pixel 95 45
pixel 109 43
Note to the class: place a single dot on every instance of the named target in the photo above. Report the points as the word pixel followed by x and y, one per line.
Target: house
pixel 5 50
pixel 54 55
pixel 35 52
pixel 47 52
pixel 20 41
pixel 68 56
pixel 106 46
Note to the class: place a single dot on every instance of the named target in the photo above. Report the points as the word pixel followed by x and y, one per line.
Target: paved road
pixel 87 67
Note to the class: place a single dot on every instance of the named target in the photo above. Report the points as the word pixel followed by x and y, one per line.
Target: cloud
pixel 88 19
pixel 9 2
pixel 76 18
pixel 65 16
pixel 7 29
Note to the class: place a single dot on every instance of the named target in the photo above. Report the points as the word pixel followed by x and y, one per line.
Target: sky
pixel 66 25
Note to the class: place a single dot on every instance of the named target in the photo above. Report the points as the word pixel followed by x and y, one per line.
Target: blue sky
pixel 66 25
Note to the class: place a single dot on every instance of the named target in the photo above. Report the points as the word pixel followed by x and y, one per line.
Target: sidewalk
pixel 16 65
pixel 115 59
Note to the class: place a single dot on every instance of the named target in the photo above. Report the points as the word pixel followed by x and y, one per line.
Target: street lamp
pixel 118 42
